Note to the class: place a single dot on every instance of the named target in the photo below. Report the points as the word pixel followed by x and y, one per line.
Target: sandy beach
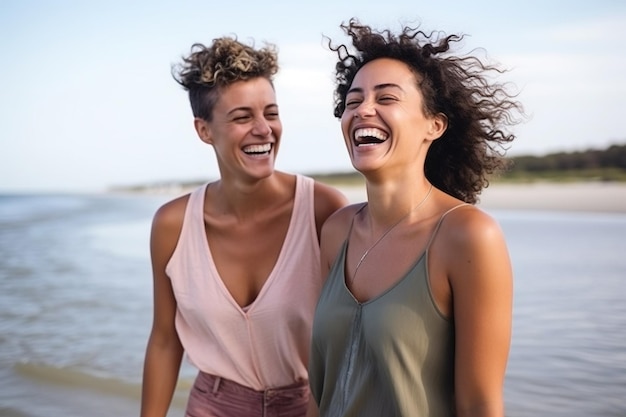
pixel 588 196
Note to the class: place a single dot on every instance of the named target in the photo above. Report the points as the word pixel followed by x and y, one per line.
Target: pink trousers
pixel 213 396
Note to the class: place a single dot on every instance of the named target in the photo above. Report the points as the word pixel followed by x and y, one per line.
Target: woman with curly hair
pixel 415 315
pixel 236 263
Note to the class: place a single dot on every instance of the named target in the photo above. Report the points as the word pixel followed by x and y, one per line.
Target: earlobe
pixel 203 130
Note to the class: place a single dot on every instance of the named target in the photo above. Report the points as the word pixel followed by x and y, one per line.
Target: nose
pixel 365 108
pixel 261 127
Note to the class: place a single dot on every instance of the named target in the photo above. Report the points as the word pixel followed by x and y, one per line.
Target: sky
pixel 87 100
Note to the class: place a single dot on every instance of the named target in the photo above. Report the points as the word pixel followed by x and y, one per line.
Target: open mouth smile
pixel 258 150
pixel 369 136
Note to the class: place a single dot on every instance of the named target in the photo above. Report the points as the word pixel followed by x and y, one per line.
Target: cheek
pixel 345 125
pixel 277 127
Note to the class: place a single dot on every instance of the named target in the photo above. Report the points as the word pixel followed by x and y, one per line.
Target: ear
pixel 438 125
pixel 203 129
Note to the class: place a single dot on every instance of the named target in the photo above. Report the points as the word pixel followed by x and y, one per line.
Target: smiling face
pixel 245 129
pixel 384 122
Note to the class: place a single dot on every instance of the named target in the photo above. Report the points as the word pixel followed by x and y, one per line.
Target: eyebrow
pixel 377 87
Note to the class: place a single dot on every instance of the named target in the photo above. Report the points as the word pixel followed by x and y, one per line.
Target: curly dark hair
pixel 208 69
pixel 478 111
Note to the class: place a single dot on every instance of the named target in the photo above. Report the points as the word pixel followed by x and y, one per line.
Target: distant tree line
pixel 596 164
pixel 591 165
pixel 612 157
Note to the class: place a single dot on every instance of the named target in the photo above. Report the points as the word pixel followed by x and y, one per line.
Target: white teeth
pixel 370 132
pixel 251 149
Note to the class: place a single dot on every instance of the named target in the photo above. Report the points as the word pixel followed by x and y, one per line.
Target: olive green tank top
pixel 392 355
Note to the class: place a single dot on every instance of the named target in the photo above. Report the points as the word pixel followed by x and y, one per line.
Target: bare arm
pixel 164 350
pixel 312 411
pixel 481 282
pixel 327 201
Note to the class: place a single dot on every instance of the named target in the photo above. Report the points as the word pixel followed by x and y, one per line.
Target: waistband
pixel 218 383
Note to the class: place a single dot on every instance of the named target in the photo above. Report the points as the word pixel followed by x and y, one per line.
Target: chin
pixel 263 173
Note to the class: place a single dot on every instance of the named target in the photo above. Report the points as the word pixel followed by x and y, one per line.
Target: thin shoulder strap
pixel 432 237
pixel 352 222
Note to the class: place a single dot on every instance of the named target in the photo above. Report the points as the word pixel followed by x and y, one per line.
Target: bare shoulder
pixel 342 218
pixel 469 258
pixel 328 199
pixel 171 214
pixel 469 225
pixel 335 232
pixel 471 249
pixel 167 224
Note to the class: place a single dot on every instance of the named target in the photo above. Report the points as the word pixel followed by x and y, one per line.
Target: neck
pixel 389 201
pixel 244 199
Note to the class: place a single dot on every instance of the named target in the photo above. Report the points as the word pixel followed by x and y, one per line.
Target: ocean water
pixel 76 308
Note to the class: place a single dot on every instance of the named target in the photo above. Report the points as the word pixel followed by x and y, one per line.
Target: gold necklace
pixel 358 265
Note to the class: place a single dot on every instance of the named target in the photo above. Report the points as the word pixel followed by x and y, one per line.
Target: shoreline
pixel 595 197
pixel 599 197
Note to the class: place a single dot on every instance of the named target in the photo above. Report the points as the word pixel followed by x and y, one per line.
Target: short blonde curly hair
pixel 207 69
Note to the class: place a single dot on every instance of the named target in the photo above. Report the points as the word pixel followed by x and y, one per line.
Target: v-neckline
pixel 384 292
pixel 248 309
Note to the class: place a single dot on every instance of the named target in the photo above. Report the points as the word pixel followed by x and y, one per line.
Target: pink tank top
pixel 266 344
